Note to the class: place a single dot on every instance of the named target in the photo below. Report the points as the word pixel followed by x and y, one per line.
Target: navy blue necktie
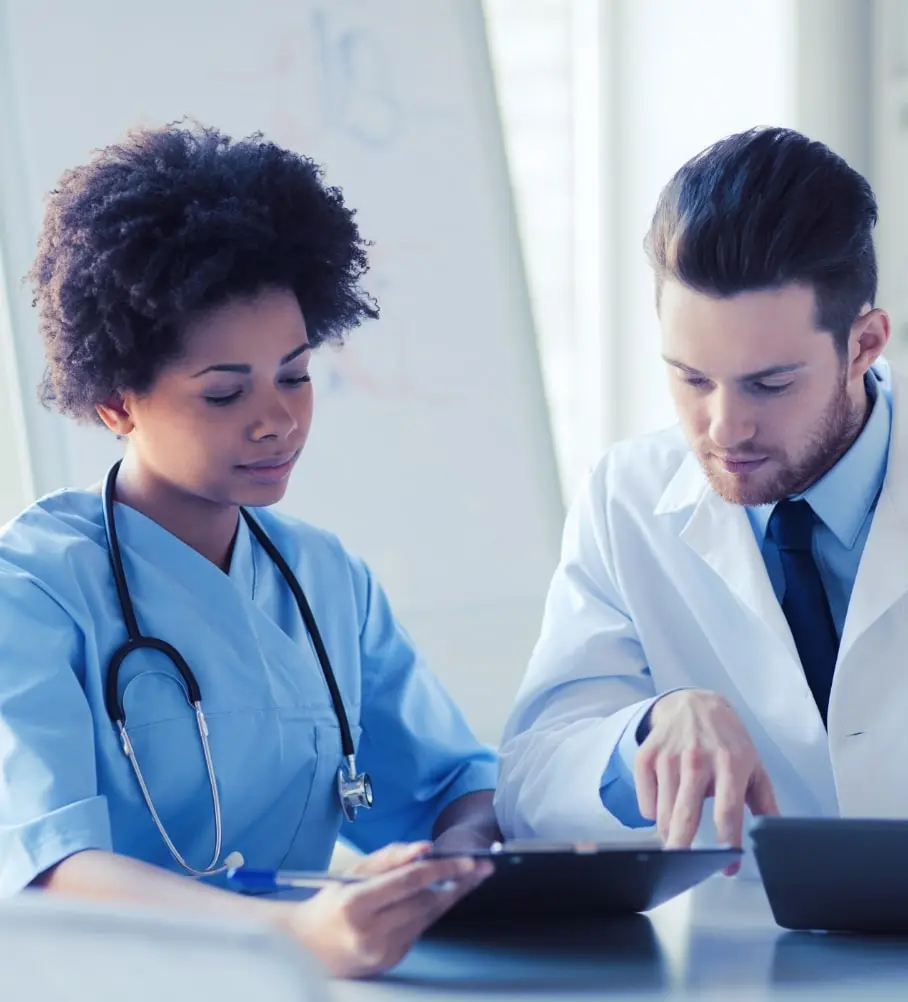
pixel 805 604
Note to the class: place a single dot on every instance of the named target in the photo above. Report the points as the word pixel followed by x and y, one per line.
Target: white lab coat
pixel 662 585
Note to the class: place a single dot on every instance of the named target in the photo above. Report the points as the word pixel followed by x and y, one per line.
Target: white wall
pixel 834 78
pixel 687 72
pixel 16 486
pixel 532 53
pixel 889 162
pixel 15 474
pixel 603 100
pixel 551 58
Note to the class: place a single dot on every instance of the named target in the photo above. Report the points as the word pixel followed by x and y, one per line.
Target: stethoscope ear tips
pixel 234 860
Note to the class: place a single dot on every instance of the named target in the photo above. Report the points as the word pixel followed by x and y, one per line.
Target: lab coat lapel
pixel 882 578
pixel 867 704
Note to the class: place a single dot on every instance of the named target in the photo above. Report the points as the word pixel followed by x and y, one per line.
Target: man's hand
pixel 698 748
pixel 467 824
pixel 462 838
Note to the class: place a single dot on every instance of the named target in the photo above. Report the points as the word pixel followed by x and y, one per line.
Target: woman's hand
pixel 361 929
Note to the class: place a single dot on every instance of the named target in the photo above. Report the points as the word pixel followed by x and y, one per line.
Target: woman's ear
pixel 115 414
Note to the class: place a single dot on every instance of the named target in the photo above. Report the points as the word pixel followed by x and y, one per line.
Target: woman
pixel 183 281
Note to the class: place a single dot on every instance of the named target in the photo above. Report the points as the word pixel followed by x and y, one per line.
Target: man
pixel 729 620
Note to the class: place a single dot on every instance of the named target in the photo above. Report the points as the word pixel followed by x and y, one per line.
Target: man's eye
pixel 771 387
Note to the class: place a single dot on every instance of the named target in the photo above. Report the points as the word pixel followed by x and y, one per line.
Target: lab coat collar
pixel 720 533
pixel 686 488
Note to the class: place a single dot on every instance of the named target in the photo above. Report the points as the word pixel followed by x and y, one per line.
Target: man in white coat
pixel 728 625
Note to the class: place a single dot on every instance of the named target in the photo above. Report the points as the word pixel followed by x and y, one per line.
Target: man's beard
pixel 838 428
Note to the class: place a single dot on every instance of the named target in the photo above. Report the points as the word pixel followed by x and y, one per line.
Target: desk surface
pixel 718 941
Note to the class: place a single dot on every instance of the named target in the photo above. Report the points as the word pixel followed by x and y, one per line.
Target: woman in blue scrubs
pixel 183 280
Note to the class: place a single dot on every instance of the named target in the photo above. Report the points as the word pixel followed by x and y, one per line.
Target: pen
pixel 277 880
pixel 261 881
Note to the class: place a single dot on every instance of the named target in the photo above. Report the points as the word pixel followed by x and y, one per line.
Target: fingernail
pixel 485 868
pixel 466 865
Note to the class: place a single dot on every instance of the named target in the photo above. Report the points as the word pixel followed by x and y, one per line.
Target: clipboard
pixel 581 881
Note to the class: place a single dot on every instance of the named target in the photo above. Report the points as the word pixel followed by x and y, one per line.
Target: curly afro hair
pixel 172 222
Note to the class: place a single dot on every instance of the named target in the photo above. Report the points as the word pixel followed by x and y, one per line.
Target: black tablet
pixel 582 881
pixel 834 874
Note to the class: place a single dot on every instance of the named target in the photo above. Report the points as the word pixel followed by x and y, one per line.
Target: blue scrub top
pixel 65 784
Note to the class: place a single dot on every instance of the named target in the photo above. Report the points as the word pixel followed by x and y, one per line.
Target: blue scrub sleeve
pixel 49 802
pixel 415 742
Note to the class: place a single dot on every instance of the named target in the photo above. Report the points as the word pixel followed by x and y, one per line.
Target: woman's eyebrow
pixel 246 369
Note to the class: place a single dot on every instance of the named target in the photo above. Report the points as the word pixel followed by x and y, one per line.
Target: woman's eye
pixel 695 380
pixel 298 380
pixel 222 400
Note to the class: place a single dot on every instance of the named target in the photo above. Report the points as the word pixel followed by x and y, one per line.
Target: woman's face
pixel 227 420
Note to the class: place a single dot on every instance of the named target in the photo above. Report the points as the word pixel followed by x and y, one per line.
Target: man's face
pixel 766 401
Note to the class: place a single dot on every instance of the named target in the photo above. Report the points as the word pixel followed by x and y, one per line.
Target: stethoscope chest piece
pixel 354 790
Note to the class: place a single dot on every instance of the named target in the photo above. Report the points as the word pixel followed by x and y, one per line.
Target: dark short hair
pixel 767 208
pixel 173 222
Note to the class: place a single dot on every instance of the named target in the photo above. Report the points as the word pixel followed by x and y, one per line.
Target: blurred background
pixel 505 157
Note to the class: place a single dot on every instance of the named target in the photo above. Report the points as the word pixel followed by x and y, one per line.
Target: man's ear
pixel 115 414
pixel 867 340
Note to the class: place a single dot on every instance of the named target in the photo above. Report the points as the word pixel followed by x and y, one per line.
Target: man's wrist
pixel 646 723
pixel 644 727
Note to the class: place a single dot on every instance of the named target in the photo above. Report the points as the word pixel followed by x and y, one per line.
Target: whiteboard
pixel 430 454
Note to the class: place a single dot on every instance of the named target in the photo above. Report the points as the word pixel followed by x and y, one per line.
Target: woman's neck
pixel 209 528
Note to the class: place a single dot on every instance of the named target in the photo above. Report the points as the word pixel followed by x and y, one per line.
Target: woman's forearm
pixel 106 876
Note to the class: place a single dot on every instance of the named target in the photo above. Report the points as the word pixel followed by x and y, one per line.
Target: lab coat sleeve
pixel 418 748
pixel 49 802
pixel 568 748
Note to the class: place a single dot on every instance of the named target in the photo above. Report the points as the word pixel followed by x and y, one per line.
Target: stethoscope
pixel 354 789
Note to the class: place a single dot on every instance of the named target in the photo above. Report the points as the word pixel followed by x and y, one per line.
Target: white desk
pixel 718 941
pixel 52 947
